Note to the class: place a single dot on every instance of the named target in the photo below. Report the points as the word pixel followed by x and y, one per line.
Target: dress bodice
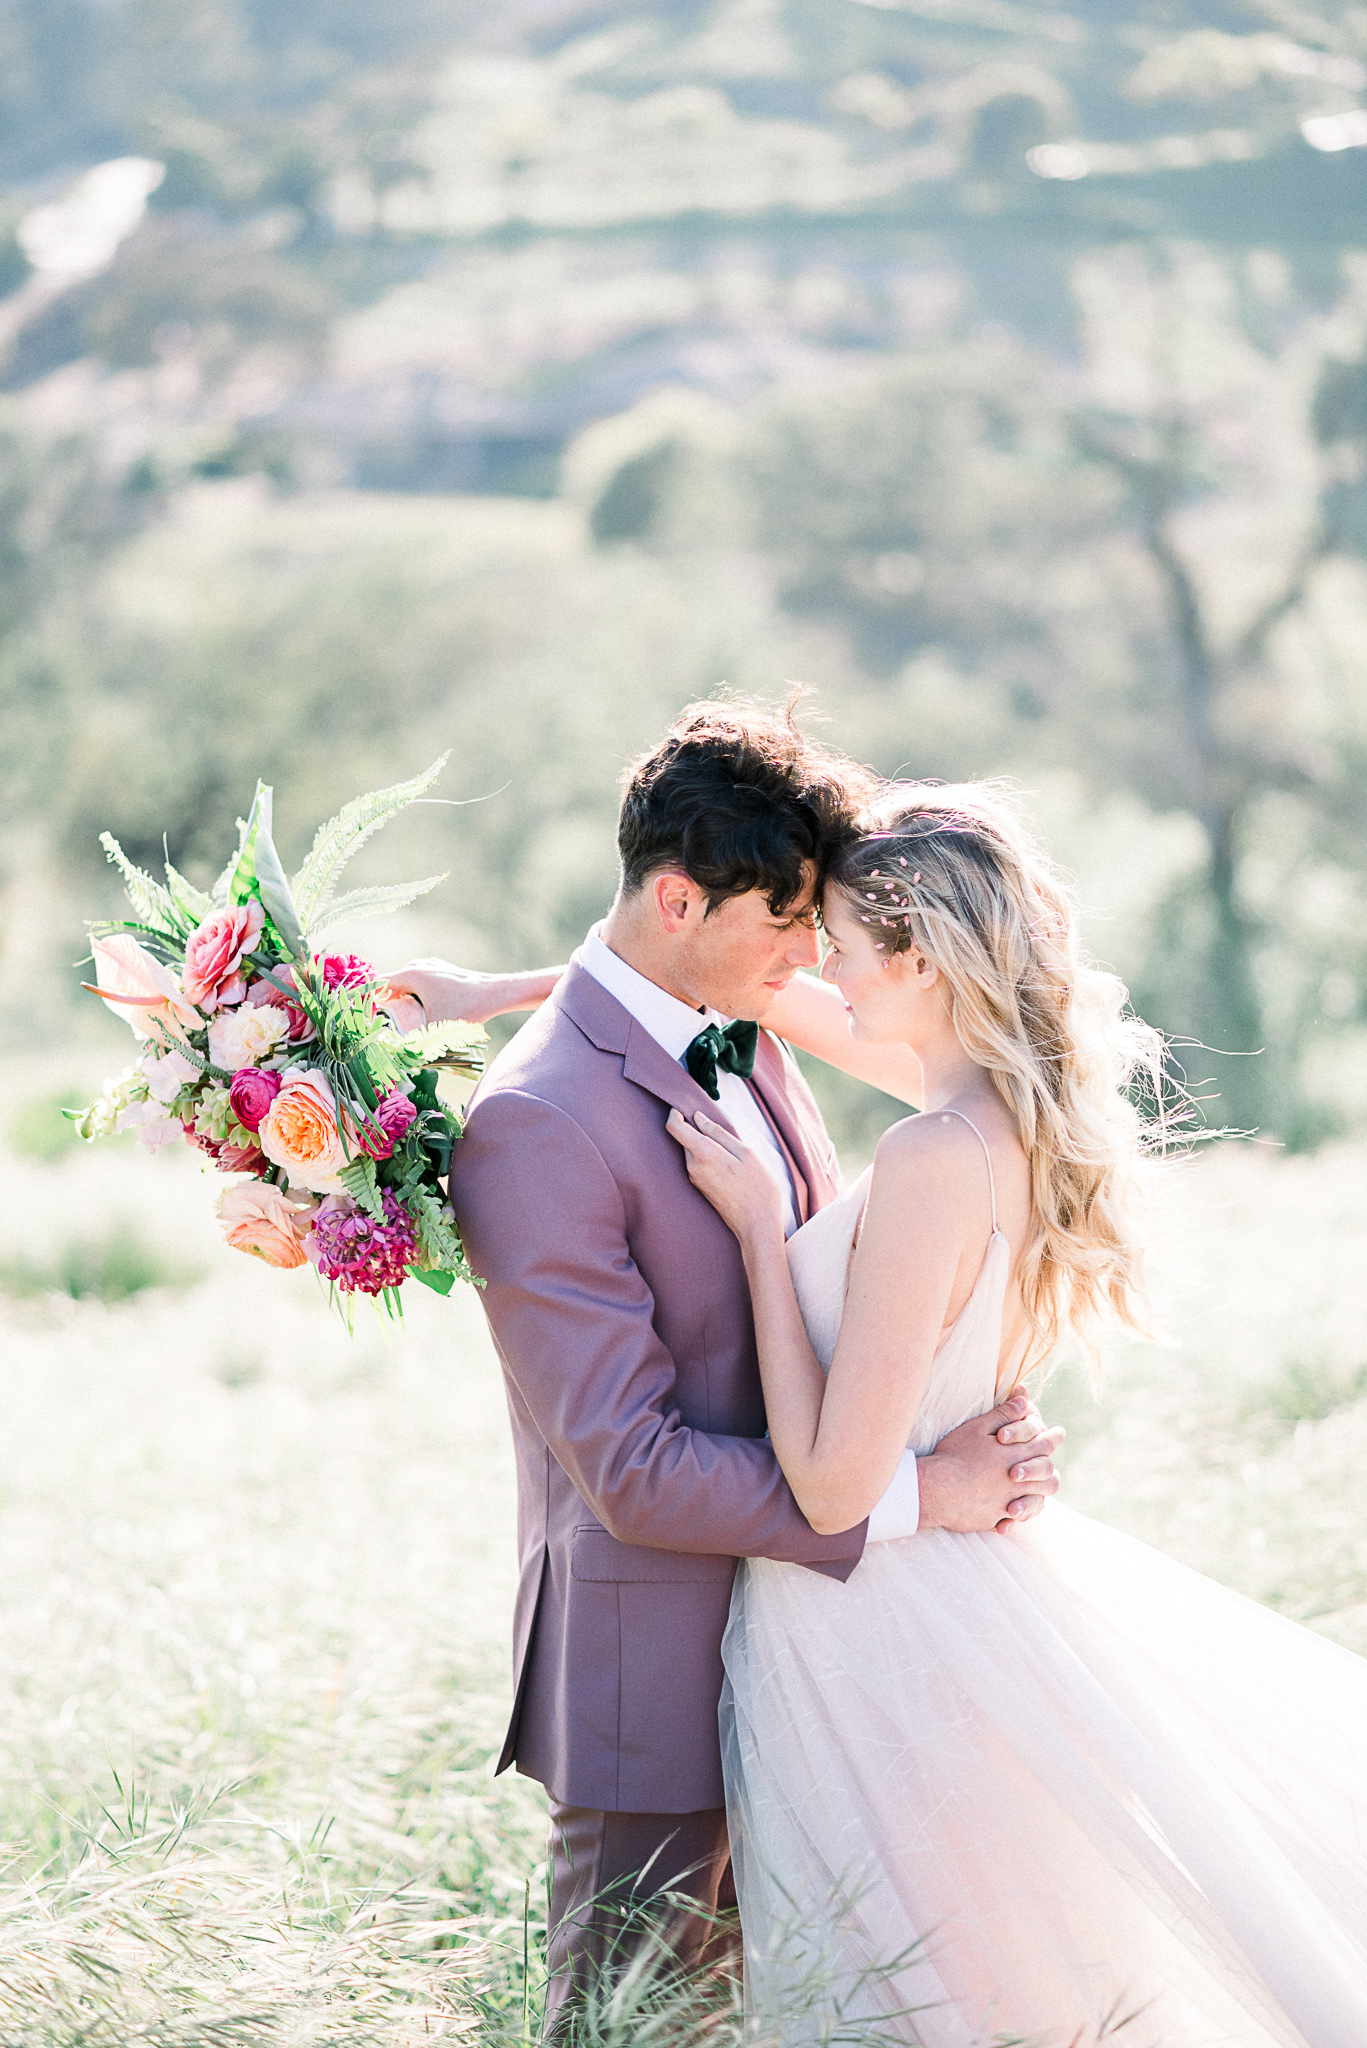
pixel 963 1377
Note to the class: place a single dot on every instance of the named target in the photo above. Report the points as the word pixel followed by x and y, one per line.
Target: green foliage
pixel 1308 1390
pixel 256 871
pixel 111 1268
pixel 358 904
pixel 457 1047
pixel 359 1181
pixel 153 906
pixel 342 837
pixel 193 904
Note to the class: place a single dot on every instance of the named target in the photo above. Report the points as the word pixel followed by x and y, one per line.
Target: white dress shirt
pixel 674 1026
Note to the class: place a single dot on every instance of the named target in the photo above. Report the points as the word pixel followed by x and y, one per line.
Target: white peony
pixel 244 1037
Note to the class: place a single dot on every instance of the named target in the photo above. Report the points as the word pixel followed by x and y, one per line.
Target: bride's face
pixel 882 994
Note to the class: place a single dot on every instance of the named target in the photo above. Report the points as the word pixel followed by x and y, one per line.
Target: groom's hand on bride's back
pixel 991 1472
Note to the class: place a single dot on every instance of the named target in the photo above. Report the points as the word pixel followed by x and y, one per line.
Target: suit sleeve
pixel 544 1226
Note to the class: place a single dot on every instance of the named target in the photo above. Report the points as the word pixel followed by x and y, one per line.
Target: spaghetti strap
pixel 991 1180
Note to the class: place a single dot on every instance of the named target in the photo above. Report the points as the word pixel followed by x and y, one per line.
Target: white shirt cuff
pixel 898 1513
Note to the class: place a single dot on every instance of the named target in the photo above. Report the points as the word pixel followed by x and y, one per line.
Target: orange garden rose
pixel 261 1219
pixel 299 1133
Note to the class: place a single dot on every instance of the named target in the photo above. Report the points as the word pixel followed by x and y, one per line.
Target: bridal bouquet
pixel 276 1058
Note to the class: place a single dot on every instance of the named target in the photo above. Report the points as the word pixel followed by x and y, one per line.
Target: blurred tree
pixel 966 520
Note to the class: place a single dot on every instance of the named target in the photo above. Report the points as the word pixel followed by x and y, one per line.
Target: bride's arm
pixel 435 992
pixel 839 1439
pixel 811 1014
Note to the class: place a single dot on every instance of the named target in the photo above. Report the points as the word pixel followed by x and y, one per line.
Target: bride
pixel 1044 1782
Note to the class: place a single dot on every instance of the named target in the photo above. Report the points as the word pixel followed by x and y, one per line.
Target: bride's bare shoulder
pixel 931 1152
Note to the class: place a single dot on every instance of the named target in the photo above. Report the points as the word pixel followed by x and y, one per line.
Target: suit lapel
pixel 801 1191
pixel 802 1134
pixel 645 1062
pixel 648 1064
pixel 791 1113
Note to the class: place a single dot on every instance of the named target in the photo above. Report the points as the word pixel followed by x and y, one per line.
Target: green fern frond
pixel 359 1181
pixel 459 1045
pixel 152 904
pixel 192 902
pixel 345 834
pixel 438 1236
pixel 376 902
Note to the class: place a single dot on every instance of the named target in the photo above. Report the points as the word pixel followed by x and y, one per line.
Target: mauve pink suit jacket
pixel 620 1311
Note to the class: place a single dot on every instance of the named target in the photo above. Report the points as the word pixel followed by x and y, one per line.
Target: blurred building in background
pixel 383 380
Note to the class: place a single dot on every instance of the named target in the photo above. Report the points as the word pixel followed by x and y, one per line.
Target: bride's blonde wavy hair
pixel 953 872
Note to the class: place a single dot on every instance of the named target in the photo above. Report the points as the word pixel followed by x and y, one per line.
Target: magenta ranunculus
pixel 346 970
pixel 395 1115
pixel 251 1093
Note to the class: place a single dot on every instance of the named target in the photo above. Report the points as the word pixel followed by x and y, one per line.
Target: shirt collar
pixel 671 1024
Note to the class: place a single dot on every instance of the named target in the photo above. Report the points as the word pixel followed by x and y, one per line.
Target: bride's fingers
pixel 719 1136
pixel 1036 1472
pixel 678 1126
pixel 1031 1430
pixel 713 1145
pixel 405 1011
pixel 700 1153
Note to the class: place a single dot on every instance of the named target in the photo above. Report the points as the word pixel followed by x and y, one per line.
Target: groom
pixel 619 1307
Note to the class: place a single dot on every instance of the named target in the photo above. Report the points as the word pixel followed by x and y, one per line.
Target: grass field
pixel 255 1581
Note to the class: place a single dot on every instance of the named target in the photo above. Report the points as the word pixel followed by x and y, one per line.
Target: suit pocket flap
pixel 598 1556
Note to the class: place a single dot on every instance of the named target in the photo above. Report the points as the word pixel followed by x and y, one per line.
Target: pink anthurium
pixel 146 992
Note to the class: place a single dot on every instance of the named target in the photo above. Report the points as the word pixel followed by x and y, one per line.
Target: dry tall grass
pixel 255 1582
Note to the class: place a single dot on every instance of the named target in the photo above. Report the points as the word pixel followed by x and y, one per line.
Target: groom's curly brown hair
pixel 737 797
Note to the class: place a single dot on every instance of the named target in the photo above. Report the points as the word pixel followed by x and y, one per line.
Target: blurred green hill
pixel 376 379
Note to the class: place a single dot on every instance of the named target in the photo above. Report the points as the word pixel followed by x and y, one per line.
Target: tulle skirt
pixel 1037 1785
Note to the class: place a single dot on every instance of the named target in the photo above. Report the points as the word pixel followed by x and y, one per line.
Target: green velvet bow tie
pixel 733 1048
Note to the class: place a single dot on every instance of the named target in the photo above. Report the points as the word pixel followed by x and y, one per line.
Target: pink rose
pixel 299 1132
pixel 213 955
pixel 261 1219
pixel 251 1093
pixel 395 1115
pixel 263 991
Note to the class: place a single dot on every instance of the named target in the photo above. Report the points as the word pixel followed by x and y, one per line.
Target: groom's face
pixel 738 958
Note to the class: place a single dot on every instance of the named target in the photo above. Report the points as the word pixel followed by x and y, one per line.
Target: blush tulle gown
pixel 1033 1785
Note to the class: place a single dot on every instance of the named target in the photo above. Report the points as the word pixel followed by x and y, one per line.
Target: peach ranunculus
pixel 213 955
pixel 143 991
pixel 263 1220
pixel 299 1132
